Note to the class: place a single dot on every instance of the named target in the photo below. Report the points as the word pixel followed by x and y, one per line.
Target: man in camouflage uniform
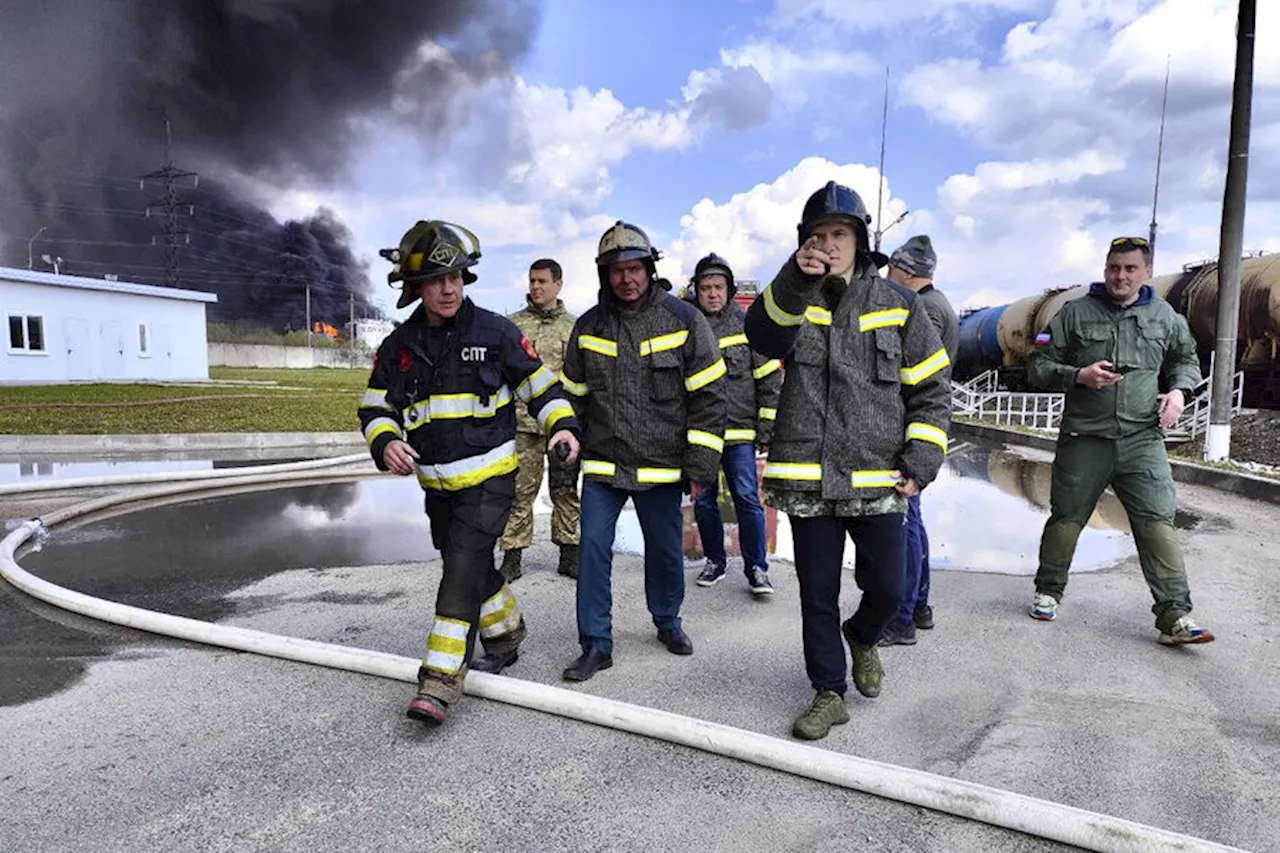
pixel 547 325
pixel 1112 353
pixel 912 265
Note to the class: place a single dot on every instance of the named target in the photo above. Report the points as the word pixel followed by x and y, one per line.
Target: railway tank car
pixel 1000 337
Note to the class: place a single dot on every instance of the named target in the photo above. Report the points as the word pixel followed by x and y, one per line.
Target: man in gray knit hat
pixel 912 266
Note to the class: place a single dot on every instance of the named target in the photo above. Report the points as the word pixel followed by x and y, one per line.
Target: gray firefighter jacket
pixel 866 388
pixel 648 387
pixel 752 384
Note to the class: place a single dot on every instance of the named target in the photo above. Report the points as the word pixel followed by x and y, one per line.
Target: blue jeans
pixel 917 580
pixel 739 461
pixel 658 511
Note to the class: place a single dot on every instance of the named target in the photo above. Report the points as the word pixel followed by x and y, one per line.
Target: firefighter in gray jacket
pixel 751 392
pixel 646 376
pixel 862 424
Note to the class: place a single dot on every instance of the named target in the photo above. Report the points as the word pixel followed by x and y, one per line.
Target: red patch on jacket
pixel 528 347
pixel 405 359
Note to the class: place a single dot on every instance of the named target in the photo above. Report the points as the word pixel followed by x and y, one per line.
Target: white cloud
pixel 755 230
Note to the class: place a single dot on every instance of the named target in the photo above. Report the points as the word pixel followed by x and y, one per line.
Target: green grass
pixel 316 400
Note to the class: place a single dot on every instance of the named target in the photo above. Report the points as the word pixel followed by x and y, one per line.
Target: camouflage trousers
pixel 562 481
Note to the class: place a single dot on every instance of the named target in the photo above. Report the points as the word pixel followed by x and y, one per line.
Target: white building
pixel 371 332
pixel 60 328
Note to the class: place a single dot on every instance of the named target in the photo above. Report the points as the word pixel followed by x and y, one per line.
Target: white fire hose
pixel 1042 818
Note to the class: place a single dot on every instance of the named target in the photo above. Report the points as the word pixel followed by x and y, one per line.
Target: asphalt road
pixel 115 740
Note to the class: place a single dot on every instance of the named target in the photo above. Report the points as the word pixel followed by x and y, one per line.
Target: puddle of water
pixel 984 513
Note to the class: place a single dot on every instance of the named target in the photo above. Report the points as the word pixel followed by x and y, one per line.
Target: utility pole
pixel 1155 198
pixel 309 319
pixel 31 244
pixel 351 328
pixel 171 206
pixel 1217 445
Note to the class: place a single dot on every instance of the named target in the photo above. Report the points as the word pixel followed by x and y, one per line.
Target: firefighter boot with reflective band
pixel 511 564
pixel 428 709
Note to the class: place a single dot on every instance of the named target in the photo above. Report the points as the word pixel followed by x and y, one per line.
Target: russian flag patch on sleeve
pixel 1042 339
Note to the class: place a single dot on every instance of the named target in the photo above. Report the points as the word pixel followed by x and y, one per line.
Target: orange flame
pixel 324 329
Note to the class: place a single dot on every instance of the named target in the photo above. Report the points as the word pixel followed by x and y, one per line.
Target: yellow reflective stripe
pixel 596 466
pixel 375 398
pixel 765 369
pixel 739 435
pixel 705 377
pixel 706 439
pixel 662 343
pixel 447 645
pixel 499 615
pixel 658 475
pixel 817 316
pixel 378 426
pixel 776 314
pixel 449 406
pixel 417 415
pixel 465 473
pixel 767 413
pixel 872 479
pixel 882 319
pixel 793 470
pixel 927 432
pixel 577 389
pixel 604 346
pixel 733 341
pixel 552 412
pixel 535 383
pixel 918 373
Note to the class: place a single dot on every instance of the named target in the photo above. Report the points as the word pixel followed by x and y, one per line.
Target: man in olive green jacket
pixel 546 326
pixel 1113 353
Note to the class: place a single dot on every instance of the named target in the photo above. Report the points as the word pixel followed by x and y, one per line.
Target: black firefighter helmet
pixel 428 249
pixel 713 264
pixel 835 202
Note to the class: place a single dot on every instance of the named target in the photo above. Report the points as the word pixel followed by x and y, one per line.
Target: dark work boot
pixel 898 634
pixel 676 641
pixel 568 561
pixel 495 662
pixel 511 564
pixel 923 617
pixel 588 664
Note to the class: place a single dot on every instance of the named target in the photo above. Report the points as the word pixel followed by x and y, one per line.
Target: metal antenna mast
pixel 171 206
pixel 884 128
pixel 1155 199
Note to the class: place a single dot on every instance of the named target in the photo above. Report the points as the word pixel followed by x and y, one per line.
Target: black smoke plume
pixel 261 95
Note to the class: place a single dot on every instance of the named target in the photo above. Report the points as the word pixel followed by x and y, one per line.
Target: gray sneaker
pixel 826 710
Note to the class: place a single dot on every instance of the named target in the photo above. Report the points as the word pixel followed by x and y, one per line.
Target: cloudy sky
pixel 1021 136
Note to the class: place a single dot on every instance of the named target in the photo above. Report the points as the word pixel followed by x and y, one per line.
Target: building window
pixel 26 333
pixel 144 339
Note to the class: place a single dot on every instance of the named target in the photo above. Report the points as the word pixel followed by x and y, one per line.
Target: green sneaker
pixel 826 710
pixel 868 674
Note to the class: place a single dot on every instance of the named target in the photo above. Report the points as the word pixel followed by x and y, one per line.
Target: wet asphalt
pixel 162 745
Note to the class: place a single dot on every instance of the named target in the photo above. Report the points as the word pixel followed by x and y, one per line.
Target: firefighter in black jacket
pixel 441 404
pixel 645 375
pixel 862 425
pixel 751 393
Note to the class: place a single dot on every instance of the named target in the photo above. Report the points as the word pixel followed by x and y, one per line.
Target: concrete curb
pixel 121 444
pixel 1246 485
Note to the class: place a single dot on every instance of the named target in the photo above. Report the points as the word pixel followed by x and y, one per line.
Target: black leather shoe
pixel 495 662
pixel 676 641
pixel 588 664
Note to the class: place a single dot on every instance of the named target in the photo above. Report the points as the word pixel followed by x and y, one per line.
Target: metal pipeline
pixel 1006 809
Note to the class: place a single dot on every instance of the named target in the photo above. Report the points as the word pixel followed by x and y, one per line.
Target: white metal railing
pixel 979 398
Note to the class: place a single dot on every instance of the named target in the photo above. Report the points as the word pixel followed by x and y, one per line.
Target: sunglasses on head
pixel 1131 242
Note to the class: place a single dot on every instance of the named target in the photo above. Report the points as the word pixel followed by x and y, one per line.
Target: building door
pixel 79 340
pixel 111 345
pixel 162 353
